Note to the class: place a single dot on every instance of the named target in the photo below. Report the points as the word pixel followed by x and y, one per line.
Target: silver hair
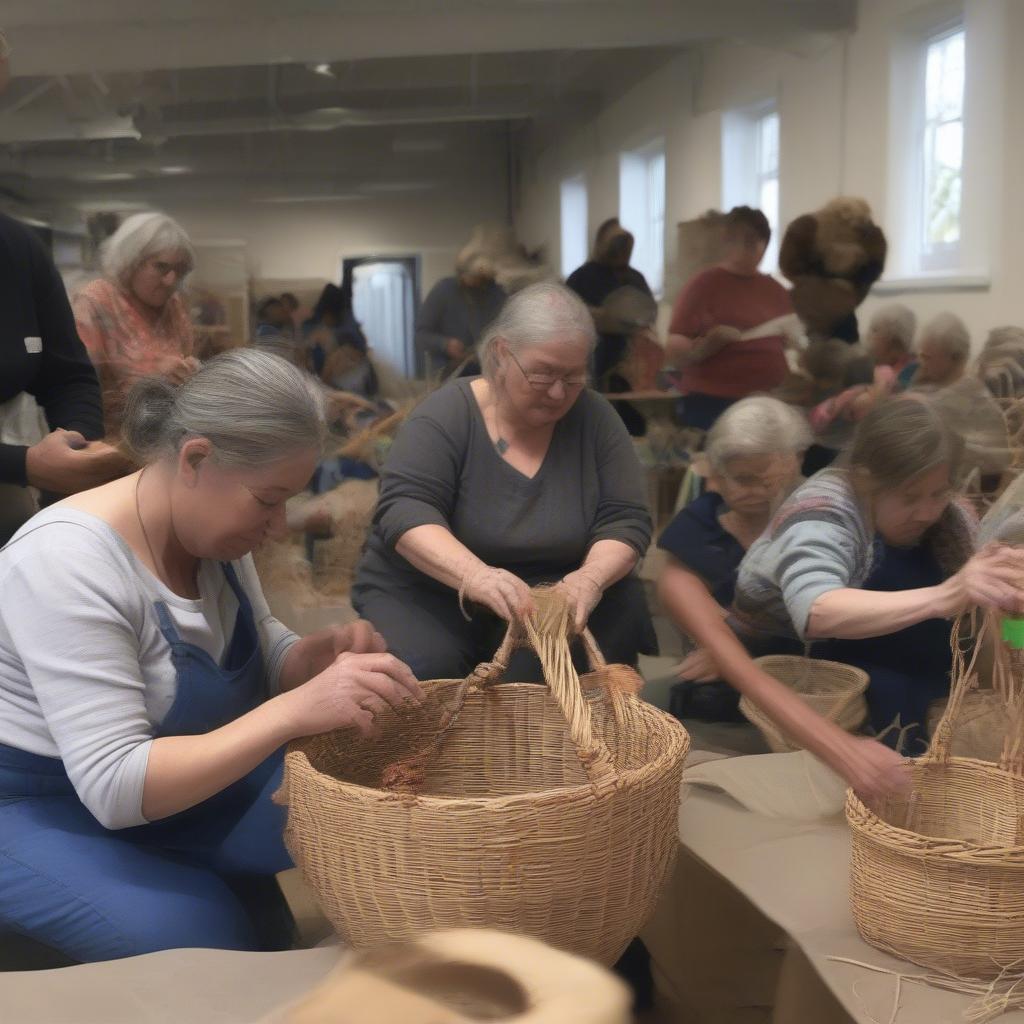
pixel 143 235
pixel 898 323
pixel 757 426
pixel 535 315
pixel 951 333
pixel 253 407
pixel 1007 336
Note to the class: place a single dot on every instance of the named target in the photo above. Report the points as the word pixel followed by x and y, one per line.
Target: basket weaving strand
pixel 938 878
pixel 546 810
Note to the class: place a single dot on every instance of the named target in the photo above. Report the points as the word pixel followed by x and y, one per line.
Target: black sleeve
pixel 66 386
pixel 584 283
pixel 429 336
pixel 622 512
pixel 420 479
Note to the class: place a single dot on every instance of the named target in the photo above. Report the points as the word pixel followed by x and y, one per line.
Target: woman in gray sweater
pixel 498 483
pixel 146 692
pixel 869 563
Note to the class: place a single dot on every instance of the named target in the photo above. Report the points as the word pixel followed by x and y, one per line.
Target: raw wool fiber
pixel 285 571
pixel 351 505
pixel 938 878
pixel 549 811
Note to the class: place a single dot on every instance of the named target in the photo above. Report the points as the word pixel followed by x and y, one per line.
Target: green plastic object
pixel 1013 633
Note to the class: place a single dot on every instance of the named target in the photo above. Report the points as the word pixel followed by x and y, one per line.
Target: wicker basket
pixel 834 690
pixel 939 878
pixel 549 812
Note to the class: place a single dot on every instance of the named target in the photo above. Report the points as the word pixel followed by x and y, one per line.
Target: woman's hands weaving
pixel 584 592
pixel 501 591
pixel 350 693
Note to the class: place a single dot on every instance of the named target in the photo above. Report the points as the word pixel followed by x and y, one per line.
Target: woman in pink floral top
pixel 133 320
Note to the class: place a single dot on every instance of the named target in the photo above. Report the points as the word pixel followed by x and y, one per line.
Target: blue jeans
pixel 96 894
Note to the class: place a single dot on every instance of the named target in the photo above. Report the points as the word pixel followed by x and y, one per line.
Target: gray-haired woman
pixel 133 320
pixel 496 483
pixel 145 690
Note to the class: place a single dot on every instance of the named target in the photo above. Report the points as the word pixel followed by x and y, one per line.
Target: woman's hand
pixel 698 667
pixel 503 592
pixel 993 578
pixel 350 693
pixel 873 770
pixel 321 649
pixel 584 593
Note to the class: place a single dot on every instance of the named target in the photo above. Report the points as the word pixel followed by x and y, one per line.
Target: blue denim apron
pixel 236 832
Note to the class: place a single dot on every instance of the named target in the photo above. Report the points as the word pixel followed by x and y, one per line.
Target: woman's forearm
pixel 182 771
pixel 434 550
pixel 687 600
pixel 608 561
pixel 850 614
pixel 684 351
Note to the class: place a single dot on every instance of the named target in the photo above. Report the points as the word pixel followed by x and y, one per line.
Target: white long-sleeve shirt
pixel 85 673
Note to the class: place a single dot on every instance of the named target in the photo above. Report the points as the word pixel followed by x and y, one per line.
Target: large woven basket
pixel 549 812
pixel 834 690
pixel 939 878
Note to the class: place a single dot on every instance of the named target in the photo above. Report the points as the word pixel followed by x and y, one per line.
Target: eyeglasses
pixel 546 381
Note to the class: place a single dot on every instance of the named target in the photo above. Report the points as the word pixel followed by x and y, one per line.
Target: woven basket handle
pixel 548 634
pixel 1005 680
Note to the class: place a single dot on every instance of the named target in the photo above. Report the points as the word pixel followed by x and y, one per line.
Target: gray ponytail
pixel 253 408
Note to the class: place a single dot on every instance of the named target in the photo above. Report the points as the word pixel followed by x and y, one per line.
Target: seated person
pixel 502 482
pixel 942 353
pixel 753 454
pixel 868 564
pixel 147 693
pixel 890 342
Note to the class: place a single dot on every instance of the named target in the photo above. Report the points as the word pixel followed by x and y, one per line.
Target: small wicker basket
pixel 938 878
pixel 552 812
pixel 834 690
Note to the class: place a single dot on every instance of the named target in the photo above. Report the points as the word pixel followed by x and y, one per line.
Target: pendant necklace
pixel 500 445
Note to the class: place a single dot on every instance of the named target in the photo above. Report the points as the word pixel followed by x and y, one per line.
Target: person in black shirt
pixel 41 355
pixel 605 272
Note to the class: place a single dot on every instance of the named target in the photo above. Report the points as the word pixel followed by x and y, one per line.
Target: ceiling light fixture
pixel 338 198
pixel 176 169
pixel 322 69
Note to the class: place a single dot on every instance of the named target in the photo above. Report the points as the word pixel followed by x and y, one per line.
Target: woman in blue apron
pixel 146 693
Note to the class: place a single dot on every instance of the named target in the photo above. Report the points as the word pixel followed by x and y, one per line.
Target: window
pixel 642 210
pixel 942 147
pixel 574 224
pixel 750 167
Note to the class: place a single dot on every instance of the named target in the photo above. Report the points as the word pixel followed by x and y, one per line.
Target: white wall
pixel 833 99
pixel 309 240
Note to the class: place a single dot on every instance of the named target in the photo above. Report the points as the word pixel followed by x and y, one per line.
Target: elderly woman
pixel 942 352
pixel 753 454
pixel 890 341
pixel 871 561
pixel 717 365
pixel 133 320
pixel 451 322
pixel 498 483
pixel 146 692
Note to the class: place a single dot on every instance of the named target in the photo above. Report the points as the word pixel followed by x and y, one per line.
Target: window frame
pixel 579 182
pixel 647 223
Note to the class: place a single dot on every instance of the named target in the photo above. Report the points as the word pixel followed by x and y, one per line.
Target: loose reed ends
pixel 541 810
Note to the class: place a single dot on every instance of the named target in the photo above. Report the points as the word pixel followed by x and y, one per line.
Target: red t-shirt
pixel 718 297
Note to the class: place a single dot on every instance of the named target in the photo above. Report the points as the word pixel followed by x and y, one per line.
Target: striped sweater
pixel 821 539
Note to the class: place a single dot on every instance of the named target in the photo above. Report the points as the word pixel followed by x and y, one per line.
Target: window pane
pixel 574 224
pixel 942 144
pixel 768 144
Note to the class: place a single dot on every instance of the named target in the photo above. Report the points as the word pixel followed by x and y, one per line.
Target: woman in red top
pixel 715 307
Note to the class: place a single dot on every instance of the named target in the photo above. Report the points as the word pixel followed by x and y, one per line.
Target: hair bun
pixel 147 417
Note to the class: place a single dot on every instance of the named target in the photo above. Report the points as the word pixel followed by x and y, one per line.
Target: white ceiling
pixel 219 97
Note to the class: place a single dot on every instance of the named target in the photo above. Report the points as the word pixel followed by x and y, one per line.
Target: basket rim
pixel 857 675
pixel 297 757
pixel 868 825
